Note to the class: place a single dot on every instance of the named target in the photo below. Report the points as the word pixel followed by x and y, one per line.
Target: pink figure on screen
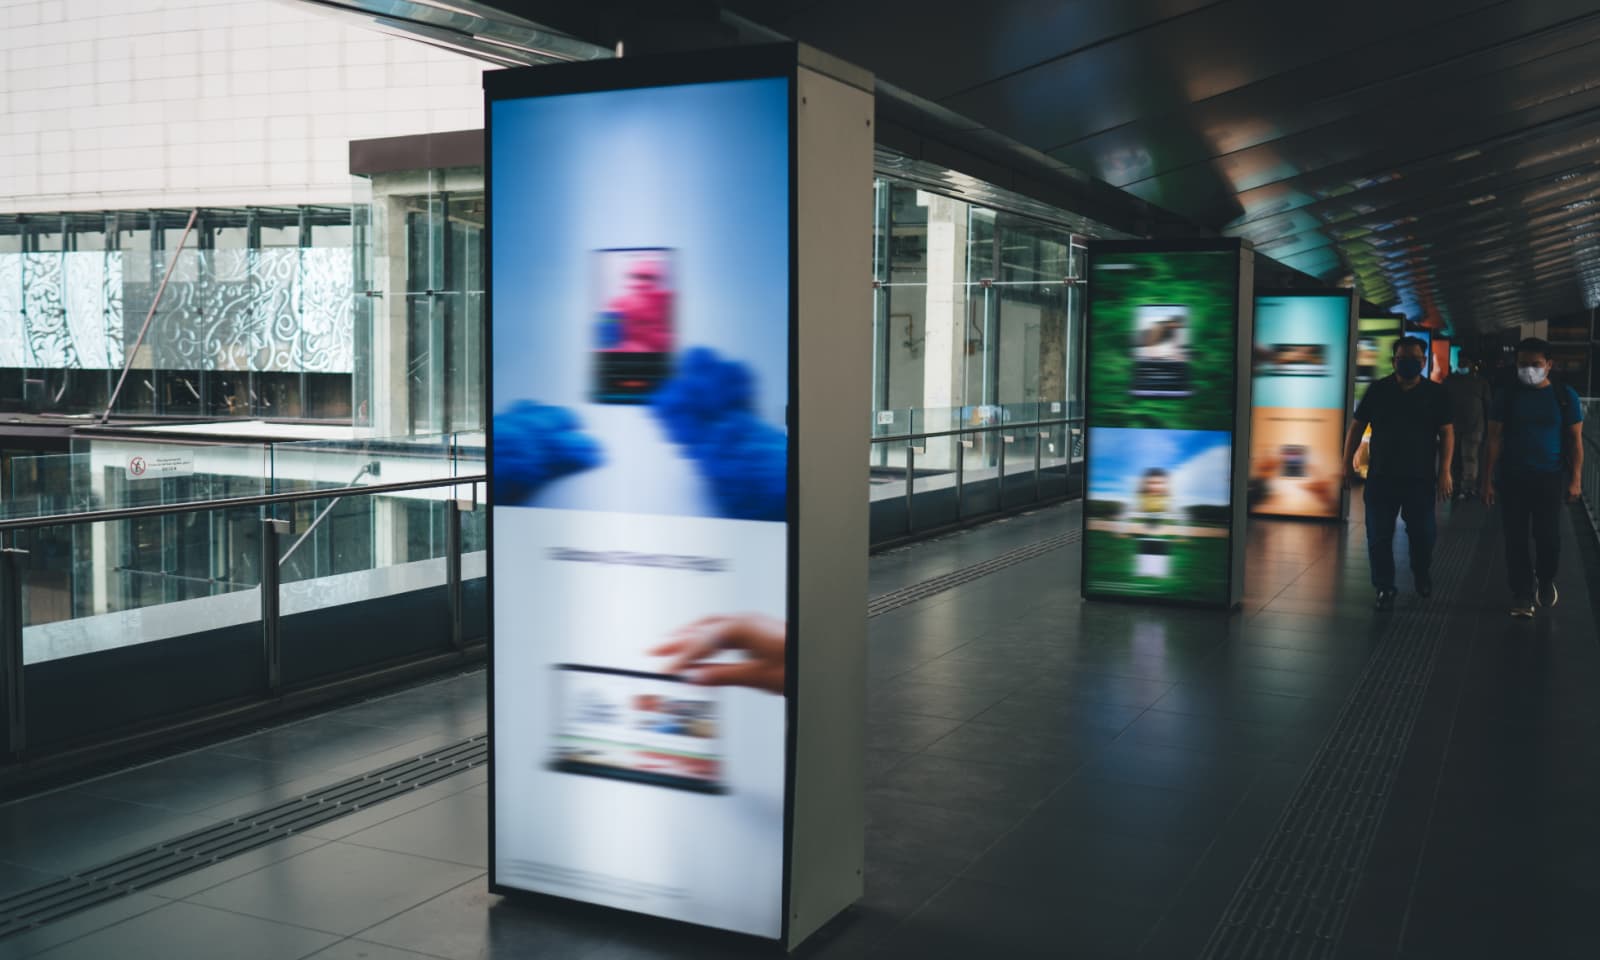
pixel 645 307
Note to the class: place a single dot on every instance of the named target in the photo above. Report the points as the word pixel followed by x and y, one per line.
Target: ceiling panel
pixel 1440 152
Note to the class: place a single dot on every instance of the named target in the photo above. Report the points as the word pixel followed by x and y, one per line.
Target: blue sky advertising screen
pixel 640 271
pixel 1301 369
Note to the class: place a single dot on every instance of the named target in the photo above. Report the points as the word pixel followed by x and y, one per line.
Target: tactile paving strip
pixel 202 848
pixel 1293 902
pixel 895 599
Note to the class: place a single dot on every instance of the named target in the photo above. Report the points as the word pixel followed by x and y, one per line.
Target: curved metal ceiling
pixel 1445 154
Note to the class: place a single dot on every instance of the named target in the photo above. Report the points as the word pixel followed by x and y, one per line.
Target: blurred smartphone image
pixel 634 323
pixel 1153 558
pixel 1298 360
pixel 1293 458
pixel 1161 352
pixel 641 727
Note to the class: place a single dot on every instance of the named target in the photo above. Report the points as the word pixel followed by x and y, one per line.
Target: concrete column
pixel 944 353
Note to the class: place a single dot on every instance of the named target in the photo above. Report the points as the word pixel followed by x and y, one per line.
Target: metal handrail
pixel 986 428
pixel 225 503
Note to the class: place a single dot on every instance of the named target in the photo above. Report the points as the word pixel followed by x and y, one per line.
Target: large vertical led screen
pixel 640 291
pixel 1375 340
pixel 1301 366
pixel 1163 330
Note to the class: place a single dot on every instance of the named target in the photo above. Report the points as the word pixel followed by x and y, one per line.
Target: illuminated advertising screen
pixel 1440 362
pixel 640 283
pixel 1301 368
pixel 1375 337
pixel 1164 328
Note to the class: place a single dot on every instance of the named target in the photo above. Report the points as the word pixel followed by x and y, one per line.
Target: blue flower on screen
pixel 703 390
pixel 708 408
pixel 749 472
pixel 536 443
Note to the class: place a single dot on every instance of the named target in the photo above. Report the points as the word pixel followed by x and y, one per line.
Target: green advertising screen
pixel 1163 333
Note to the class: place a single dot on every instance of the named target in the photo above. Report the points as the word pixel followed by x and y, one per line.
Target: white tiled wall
pixel 129 104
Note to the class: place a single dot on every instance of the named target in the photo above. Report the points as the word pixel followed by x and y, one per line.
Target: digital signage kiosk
pixel 677 548
pixel 1301 368
pixel 1168 420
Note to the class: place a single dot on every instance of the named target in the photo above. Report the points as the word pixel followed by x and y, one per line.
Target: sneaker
pixel 1547 595
pixel 1522 607
pixel 1385 601
pixel 1424 586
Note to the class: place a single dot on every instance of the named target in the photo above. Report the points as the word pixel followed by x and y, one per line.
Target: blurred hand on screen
pixel 761 639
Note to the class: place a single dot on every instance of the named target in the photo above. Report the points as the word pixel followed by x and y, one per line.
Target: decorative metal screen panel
pixel 279 309
pixel 13 336
pixel 61 311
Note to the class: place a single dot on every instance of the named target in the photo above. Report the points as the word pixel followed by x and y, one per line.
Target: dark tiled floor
pixel 1046 779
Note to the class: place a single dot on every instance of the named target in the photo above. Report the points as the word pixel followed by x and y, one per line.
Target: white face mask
pixel 1532 376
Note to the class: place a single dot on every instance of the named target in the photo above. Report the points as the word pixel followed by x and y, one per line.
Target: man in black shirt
pixel 1408 465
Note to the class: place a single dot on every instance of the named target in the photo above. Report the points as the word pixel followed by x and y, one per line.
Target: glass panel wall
pixel 977 332
pixel 256 319
pixel 972 307
pixel 420 279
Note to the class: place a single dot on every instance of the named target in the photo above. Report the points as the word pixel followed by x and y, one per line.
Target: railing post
pixel 452 571
pixel 911 482
pixel 1038 463
pixel 11 649
pixel 1000 484
pixel 961 480
pixel 271 641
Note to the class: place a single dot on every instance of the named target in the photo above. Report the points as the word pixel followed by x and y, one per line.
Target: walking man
pixel 1408 466
pixel 1535 465
pixel 1469 408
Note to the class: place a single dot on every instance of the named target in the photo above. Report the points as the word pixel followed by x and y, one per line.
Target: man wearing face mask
pixel 1535 464
pixel 1409 466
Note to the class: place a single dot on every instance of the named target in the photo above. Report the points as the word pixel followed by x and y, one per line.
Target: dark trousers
pixel 1411 498
pixel 1531 501
pixel 1469 442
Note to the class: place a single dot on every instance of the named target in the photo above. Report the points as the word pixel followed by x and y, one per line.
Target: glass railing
pixel 934 468
pixel 148 583
pixel 122 615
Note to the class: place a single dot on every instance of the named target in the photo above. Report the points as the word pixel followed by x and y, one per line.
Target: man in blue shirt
pixel 1536 442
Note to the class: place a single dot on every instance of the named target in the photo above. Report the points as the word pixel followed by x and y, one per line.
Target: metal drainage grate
pixel 895 599
pixel 202 848
pixel 1297 894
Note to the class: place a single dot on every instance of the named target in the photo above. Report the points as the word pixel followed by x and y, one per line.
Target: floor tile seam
pixel 199 811
pixel 141 805
pixel 995 764
pixel 346 841
pixel 320 842
pixel 159 905
pixel 359 941
pixel 1177 896
pixel 360 934
pixel 192 902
